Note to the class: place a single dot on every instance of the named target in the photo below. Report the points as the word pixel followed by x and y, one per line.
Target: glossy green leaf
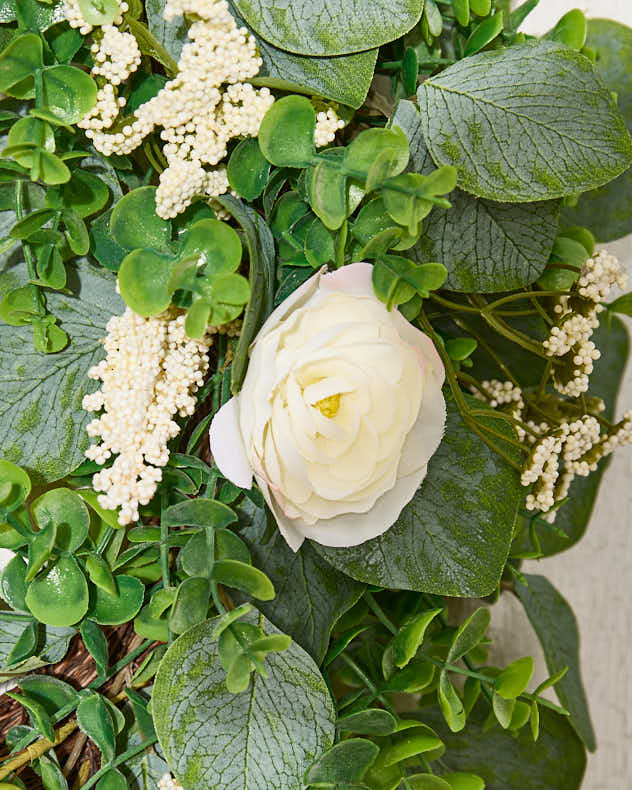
pixel 108 609
pixel 461 12
pixel 570 30
pixel 50 168
pixel 556 627
pixel 144 278
pixel 59 595
pixel 503 710
pixel 66 510
pixel 18 62
pixel 372 721
pixel 344 763
pixel 248 169
pixel 40 548
pixel 85 193
pixel 463 781
pixel 19 485
pixel 534 81
pixel 469 634
pixel 484 33
pixel 96 644
pixel 410 636
pixel 191 604
pixel 286 134
pixel 99 12
pixel 100 573
pixel 31 223
pixel 52 777
pixel 26 645
pixel 397 279
pixel 13 584
pixel 514 679
pixel 134 222
pixel 427 782
pixel 31 131
pixel 243 577
pixel 200 513
pixel 451 704
pixel 155 628
pixel 266 756
pixel 360 155
pixel 481 7
pixel 94 718
pixel 432 547
pixel 327 194
pixel 68 92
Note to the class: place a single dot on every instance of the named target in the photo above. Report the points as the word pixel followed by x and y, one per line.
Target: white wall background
pixel 594 576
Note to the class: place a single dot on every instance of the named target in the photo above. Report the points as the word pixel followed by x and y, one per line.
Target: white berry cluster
pixel 167 782
pixel 206 105
pixel 74 17
pixel 116 56
pixel 105 110
pixel 577 320
pixel 327 124
pixel 150 374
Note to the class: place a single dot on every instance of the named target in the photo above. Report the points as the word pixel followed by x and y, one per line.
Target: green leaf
pixel 52 644
pixel 172 34
pixel 59 595
pixel 570 30
pixel 484 33
pixel 461 781
pixel 96 644
pixel 535 88
pixel 95 719
pixel 247 169
pixel 622 305
pixel 200 513
pixel 555 625
pixel 99 12
pixel 344 763
pixel 66 510
pixel 191 604
pixel 286 134
pixel 453 537
pixel 108 609
pixel 134 222
pixel 607 211
pixel 427 782
pixel 44 393
pixel 514 679
pixel 31 223
pixel 52 777
pixel 331 27
pixel 52 693
pixel 19 486
pixel 503 710
pixel 40 548
pixel 85 193
pixel 18 61
pixel 68 92
pixel 469 634
pixel 410 636
pixel 524 764
pixel 144 278
pixel 38 713
pixel 311 595
pixel 13 584
pixel 327 194
pixel 100 573
pixel 112 780
pixel 372 721
pixel 246 578
pixel 262 754
pixel 25 646
pixel 396 279
pixel 451 704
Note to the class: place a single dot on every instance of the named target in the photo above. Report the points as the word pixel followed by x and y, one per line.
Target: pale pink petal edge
pixel 227 445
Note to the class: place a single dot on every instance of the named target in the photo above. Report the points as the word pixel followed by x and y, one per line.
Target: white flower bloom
pixel 340 412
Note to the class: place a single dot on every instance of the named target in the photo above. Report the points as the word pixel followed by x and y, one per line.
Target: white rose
pixel 339 413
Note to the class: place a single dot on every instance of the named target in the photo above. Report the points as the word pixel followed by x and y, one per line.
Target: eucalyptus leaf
pixel 53 647
pixel 108 609
pixel 94 718
pixel 534 87
pixel 59 595
pixel 134 222
pixel 68 92
pixel 555 624
pixel 453 537
pixel 344 763
pixel 278 726
pixel 66 510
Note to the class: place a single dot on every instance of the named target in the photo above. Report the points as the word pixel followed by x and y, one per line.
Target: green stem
pixel 367 681
pixel 122 758
pixel 474 426
pixel 453 305
pixel 379 612
pixel 488 350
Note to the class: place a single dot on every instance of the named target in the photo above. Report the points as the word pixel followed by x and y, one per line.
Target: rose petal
pixel 415 337
pixel 227 445
pixel 292 536
pixel 355 278
pixel 426 434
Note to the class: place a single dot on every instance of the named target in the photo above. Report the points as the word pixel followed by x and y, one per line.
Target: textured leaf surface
pixel 266 736
pixel 42 424
pixel 344 78
pixel 556 762
pixel 532 122
pixel 485 246
pixel 172 34
pixel 555 624
pixel 310 594
pixel 607 211
pixel 330 27
pixel 55 644
pixel 453 537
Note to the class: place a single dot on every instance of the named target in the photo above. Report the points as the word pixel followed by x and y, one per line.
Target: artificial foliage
pixel 172 172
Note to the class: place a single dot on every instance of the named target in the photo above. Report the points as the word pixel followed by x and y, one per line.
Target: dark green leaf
pixel 95 719
pixel 200 513
pixel 13 584
pixel 18 62
pixel 247 169
pixel 39 716
pixel 134 222
pixel 52 693
pixel 59 595
pixel 109 609
pixel 96 644
pixel 191 604
pixel 554 623
pixel 26 646
pixel 372 721
pixel 66 510
pixel 344 763
pixel 53 647
pixel 68 93
pixel 246 578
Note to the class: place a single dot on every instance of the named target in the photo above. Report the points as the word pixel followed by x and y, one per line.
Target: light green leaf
pixel 40 395
pixel 279 725
pixel 570 30
pixel 68 92
pixel 134 222
pixel 514 679
pixel 94 718
pixel 607 211
pixel 453 537
pixel 469 634
pixel 555 624
pixel 528 95
pixel 503 710
pixel 311 595
pixel 372 721
pixel 18 62
pixel 329 27
pixel 344 763
pixel 410 636
pixel 246 578
pixel 99 12
pixel 66 510
pixel 59 595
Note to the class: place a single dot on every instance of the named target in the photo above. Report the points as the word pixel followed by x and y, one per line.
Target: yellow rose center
pixel 329 406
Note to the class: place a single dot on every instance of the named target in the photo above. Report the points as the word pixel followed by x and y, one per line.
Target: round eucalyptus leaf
pixel 13 584
pixel 214 244
pixel 286 134
pixel 30 131
pixel 85 193
pixel 19 486
pixel 59 595
pixel 571 30
pixel 368 145
pixel 18 62
pixel 99 12
pixel 68 92
pixel 50 267
pixel 66 510
pixel 144 279
pixel 113 779
pixel 134 222
pixel 51 169
pixel 248 169
pixel 109 609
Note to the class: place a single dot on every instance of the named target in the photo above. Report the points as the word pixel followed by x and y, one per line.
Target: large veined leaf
pixel 343 78
pixel 330 27
pixel 556 762
pixel 531 122
pixel 555 624
pixel 265 737
pixel 310 594
pixel 42 424
pixel 574 516
pixel 454 535
pixel 485 246
pixel 607 211
pixel 171 34
pixel 53 649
